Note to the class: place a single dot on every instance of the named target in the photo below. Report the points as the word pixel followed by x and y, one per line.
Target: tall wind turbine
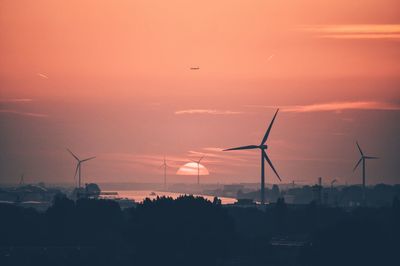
pixel 264 156
pixel 198 169
pixel 362 159
pixel 165 165
pixel 78 166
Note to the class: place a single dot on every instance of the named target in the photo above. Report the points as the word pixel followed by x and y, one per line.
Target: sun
pixel 191 169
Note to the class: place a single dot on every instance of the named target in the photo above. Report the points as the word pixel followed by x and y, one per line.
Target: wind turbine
pixel 78 166
pixel 264 156
pixel 333 182
pixel 334 198
pixel 362 159
pixel 198 169
pixel 165 165
pixel 21 180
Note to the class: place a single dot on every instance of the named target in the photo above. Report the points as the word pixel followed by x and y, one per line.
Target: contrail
pixel 42 75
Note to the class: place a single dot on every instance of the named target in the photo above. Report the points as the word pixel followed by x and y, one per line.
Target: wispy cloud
pixel 354 31
pixel 336 107
pixel 207 112
pixel 216 157
pixel 16 100
pixel 214 149
pixel 151 160
pixel 341 106
pixel 10 111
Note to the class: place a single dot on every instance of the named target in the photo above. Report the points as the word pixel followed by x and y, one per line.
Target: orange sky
pixel 113 79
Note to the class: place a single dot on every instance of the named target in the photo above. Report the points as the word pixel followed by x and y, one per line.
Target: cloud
pixel 214 149
pixel 9 111
pixel 341 106
pixel 336 107
pixel 16 100
pixel 207 111
pixel 217 157
pixel 354 31
pixel 361 36
pixel 151 160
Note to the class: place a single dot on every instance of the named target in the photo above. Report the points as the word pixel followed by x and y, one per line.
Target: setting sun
pixel 191 169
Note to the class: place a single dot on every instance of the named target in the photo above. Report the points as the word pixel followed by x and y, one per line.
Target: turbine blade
pixel 269 129
pixel 270 164
pixel 76 157
pixel 76 170
pixel 371 157
pixel 84 160
pixel 355 167
pixel 202 157
pixel 362 154
pixel 250 147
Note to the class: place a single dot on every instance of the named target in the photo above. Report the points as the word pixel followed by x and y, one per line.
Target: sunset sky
pixel 112 79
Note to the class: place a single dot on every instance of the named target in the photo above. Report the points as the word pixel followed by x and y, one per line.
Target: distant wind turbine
pixel 21 180
pixel 165 165
pixel 333 182
pixel 198 169
pixel 362 159
pixel 264 156
pixel 78 166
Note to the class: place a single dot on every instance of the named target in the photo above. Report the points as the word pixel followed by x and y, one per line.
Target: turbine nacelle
pixel 363 157
pixel 263 147
pixel 78 165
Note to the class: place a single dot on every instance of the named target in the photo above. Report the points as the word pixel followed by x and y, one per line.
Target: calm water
pixel 140 195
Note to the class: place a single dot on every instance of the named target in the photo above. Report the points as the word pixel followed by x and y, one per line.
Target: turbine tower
pixel 78 166
pixel 264 156
pixel 21 180
pixel 362 159
pixel 333 182
pixel 198 169
pixel 165 165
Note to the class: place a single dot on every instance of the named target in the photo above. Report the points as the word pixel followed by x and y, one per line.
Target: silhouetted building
pixel 317 191
pixel 232 190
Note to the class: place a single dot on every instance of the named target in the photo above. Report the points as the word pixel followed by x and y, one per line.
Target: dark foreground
pixel 193 231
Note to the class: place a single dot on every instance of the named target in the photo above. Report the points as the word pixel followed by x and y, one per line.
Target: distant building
pixel 274 193
pixel 91 190
pixel 289 198
pixel 317 191
pixel 232 190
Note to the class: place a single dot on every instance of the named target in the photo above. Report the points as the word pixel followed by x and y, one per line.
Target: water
pixel 140 195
